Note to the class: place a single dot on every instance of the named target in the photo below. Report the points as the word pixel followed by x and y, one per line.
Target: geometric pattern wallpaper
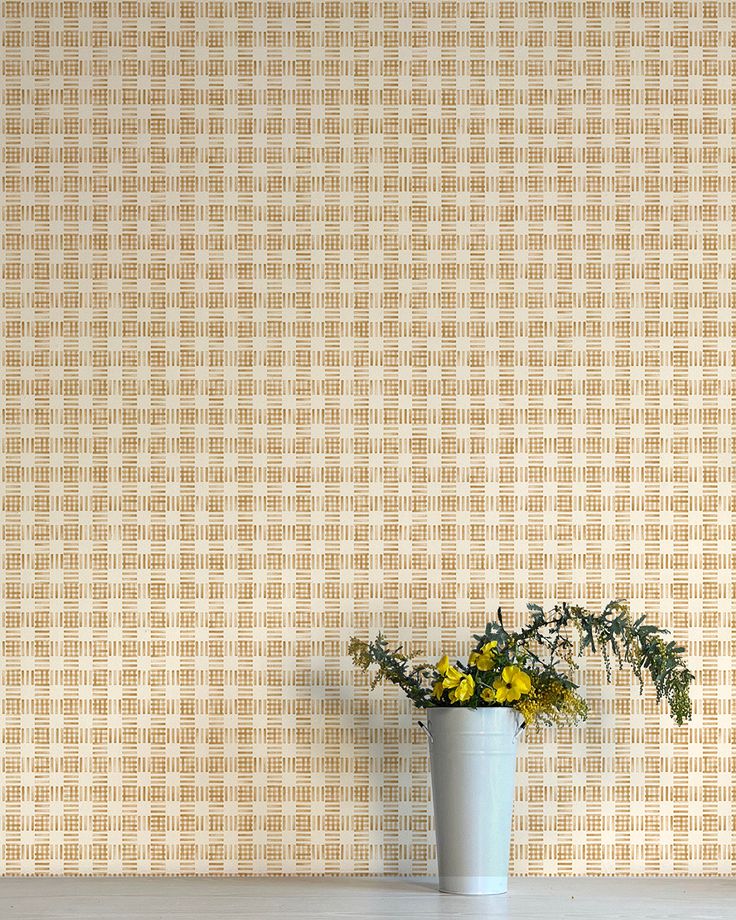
pixel 320 317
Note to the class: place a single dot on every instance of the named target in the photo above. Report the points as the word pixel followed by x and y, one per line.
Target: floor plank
pixel 362 899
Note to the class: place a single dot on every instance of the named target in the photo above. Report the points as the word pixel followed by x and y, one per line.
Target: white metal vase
pixel 473 761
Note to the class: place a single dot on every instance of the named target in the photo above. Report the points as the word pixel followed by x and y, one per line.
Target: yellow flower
pixel 511 685
pixel 484 658
pixel 443 664
pixel 438 690
pixel 461 686
pixel 452 676
pixel 488 695
pixel 464 690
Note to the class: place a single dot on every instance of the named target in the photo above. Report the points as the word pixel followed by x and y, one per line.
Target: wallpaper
pixel 325 317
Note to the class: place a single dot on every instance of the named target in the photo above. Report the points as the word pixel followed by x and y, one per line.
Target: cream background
pixel 324 317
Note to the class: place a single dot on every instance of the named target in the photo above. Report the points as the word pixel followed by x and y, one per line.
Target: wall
pixel 320 317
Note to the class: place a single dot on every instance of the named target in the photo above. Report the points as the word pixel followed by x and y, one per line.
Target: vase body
pixel 473 762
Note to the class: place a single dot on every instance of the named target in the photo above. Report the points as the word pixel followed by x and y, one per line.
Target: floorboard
pixel 362 899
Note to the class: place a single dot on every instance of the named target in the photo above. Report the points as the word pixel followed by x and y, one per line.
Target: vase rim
pixel 491 713
pixel 468 709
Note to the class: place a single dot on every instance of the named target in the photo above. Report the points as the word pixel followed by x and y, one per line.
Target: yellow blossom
pixel 461 686
pixel 438 690
pixel 488 695
pixel 463 691
pixel 443 664
pixel 484 658
pixel 552 703
pixel 452 677
pixel 511 685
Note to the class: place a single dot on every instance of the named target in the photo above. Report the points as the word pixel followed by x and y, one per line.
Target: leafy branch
pixel 616 637
pixel 393 666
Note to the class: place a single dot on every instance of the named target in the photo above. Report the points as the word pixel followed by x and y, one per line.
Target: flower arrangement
pixel 532 669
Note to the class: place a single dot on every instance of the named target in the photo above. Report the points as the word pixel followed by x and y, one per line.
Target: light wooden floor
pixel 362 899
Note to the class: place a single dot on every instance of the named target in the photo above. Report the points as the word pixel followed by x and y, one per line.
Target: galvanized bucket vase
pixel 473 760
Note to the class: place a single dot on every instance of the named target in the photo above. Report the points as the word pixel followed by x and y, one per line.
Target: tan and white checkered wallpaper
pixel 325 316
